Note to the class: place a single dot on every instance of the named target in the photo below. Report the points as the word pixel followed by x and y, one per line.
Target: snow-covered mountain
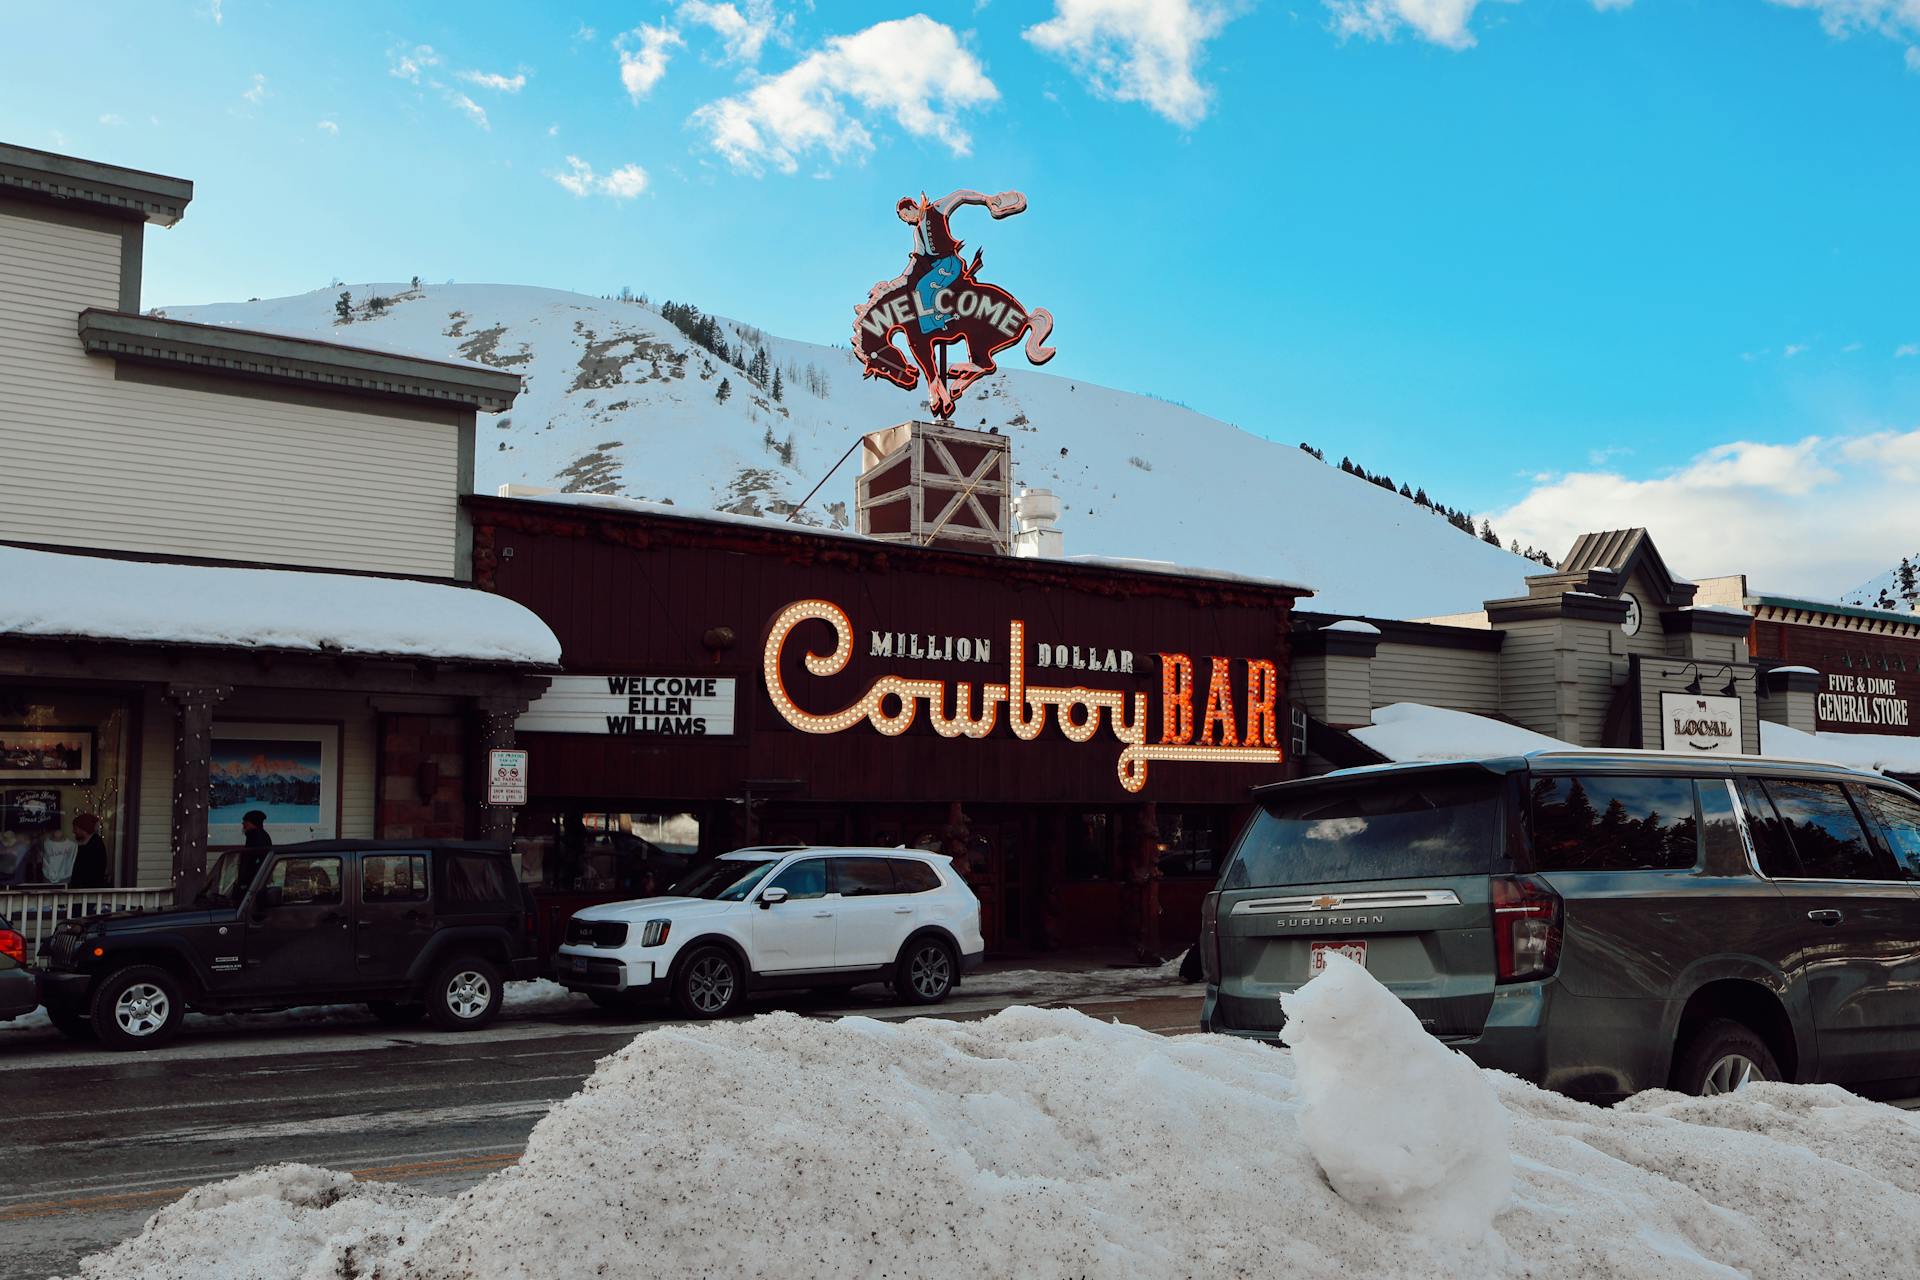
pixel 619 400
pixel 1888 590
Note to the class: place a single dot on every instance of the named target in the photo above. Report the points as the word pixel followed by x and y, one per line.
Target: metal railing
pixel 35 912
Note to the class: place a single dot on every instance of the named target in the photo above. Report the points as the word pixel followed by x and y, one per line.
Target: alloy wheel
pixel 930 972
pixel 142 1009
pixel 710 984
pixel 469 993
pixel 1731 1072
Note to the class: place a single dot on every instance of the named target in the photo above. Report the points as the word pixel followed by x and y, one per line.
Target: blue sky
pixel 1573 265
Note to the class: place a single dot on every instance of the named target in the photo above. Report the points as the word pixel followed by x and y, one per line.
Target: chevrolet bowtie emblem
pixel 1326 902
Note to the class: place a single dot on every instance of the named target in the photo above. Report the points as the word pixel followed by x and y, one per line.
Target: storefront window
pixel 63 788
pixel 596 852
pixel 1192 843
pixel 1089 839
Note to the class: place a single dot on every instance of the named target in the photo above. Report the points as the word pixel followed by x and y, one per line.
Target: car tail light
pixel 1209 943
pixel 655 933
pixel 1526 928
pixel 15 945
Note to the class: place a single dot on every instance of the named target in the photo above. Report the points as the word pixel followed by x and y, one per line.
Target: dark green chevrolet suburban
pixel 1596 922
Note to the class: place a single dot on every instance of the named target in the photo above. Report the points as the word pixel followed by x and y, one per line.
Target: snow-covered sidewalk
pixel 1046 1143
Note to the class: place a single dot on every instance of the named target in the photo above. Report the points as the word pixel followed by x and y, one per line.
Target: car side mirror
pixel 772 897
pixel 269 898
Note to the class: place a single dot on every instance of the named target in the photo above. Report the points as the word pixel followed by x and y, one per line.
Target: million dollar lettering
pixel 1209 728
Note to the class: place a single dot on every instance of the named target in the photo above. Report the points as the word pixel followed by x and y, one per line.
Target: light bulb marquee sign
pixel 940 301
pixel 1215 732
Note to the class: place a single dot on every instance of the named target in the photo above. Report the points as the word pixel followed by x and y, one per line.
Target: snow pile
pixel 286 1220
pixel 1880 752
pixel 51 594
pixel 1413 731
pixel 619 401
pixel 1045 1143
pixel 1400 1123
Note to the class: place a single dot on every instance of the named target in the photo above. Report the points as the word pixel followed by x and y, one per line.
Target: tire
pixel 710 983
pixel 71 1023
pixel 397 1013
pixel 924 972
pixel 464 994
pixel 138 1007
pixel 1721 1056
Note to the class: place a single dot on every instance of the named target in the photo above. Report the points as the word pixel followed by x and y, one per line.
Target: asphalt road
pixel 92 1142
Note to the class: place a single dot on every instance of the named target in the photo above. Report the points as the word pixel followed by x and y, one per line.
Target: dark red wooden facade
pixel 1868 679
pixel 657 595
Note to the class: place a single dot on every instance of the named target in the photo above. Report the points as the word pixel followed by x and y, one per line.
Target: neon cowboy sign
pixel 1213 733
pixel 938 301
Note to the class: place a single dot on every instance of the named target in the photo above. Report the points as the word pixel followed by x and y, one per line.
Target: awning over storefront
pixel 50 594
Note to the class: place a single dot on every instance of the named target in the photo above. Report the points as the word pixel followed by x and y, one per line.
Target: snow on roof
pixel 639 506
pixel 1792 671
pixel 1353 625
pixel 1879 752
pixel 1408 731
pixel 49 593
pixel 1195 1155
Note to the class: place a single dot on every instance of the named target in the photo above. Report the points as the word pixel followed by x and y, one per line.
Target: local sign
pixel 633 706
pixel 939 301
pixel 506 777
pixel 1228 724
pixel 1699 722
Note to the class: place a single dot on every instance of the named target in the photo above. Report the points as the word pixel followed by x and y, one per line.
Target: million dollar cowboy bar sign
pixel 1229 722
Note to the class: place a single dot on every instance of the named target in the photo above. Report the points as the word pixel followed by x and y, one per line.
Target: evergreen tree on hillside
pixel 1905 577
pixel 343 308
pixel 726 389
pixel 776 386
pixel 1487 535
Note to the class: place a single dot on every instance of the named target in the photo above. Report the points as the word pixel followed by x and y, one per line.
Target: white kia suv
pixel 763 918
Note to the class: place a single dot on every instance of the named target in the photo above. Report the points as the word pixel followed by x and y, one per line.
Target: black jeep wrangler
pixel 427 928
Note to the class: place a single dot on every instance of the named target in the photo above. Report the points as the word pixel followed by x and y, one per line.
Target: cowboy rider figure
pixel 936 254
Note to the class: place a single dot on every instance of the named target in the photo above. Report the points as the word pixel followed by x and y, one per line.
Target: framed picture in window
pixel 34 754
pixel 288 772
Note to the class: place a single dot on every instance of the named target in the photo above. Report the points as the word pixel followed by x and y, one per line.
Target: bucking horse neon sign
pixel 940 301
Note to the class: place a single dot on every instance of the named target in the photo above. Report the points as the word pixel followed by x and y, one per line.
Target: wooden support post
pixel 192 781
pixel 494 728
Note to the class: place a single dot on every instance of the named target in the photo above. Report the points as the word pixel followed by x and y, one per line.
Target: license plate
pixel 1354 951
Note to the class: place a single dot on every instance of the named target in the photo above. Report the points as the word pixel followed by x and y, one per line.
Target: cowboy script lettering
pixel 1228 723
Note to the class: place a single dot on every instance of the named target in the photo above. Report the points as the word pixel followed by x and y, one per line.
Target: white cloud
pixel 475 112
pixel 1764 509
pixel 411 64
pixel 1145 51
pixel 624 183
pixel 329 128
pixel 584 33
pixel 1913 58
pixel 1444 22
pixel 913 70
pixel 744 34
pixel 111 120
pixel 553 131
pixel 1793 349
pixel 213 11
pixel 1906 350
pixel 257 93
pixel 642 67
pixel 1851 346
pixel 495 81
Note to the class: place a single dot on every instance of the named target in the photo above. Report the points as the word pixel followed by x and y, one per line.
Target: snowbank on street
pixel 1879 752
pixel 1046 1143
pixel 1414 731
pixel 1398 1121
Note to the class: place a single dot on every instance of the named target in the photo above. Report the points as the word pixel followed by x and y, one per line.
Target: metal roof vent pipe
pixel 1036 513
